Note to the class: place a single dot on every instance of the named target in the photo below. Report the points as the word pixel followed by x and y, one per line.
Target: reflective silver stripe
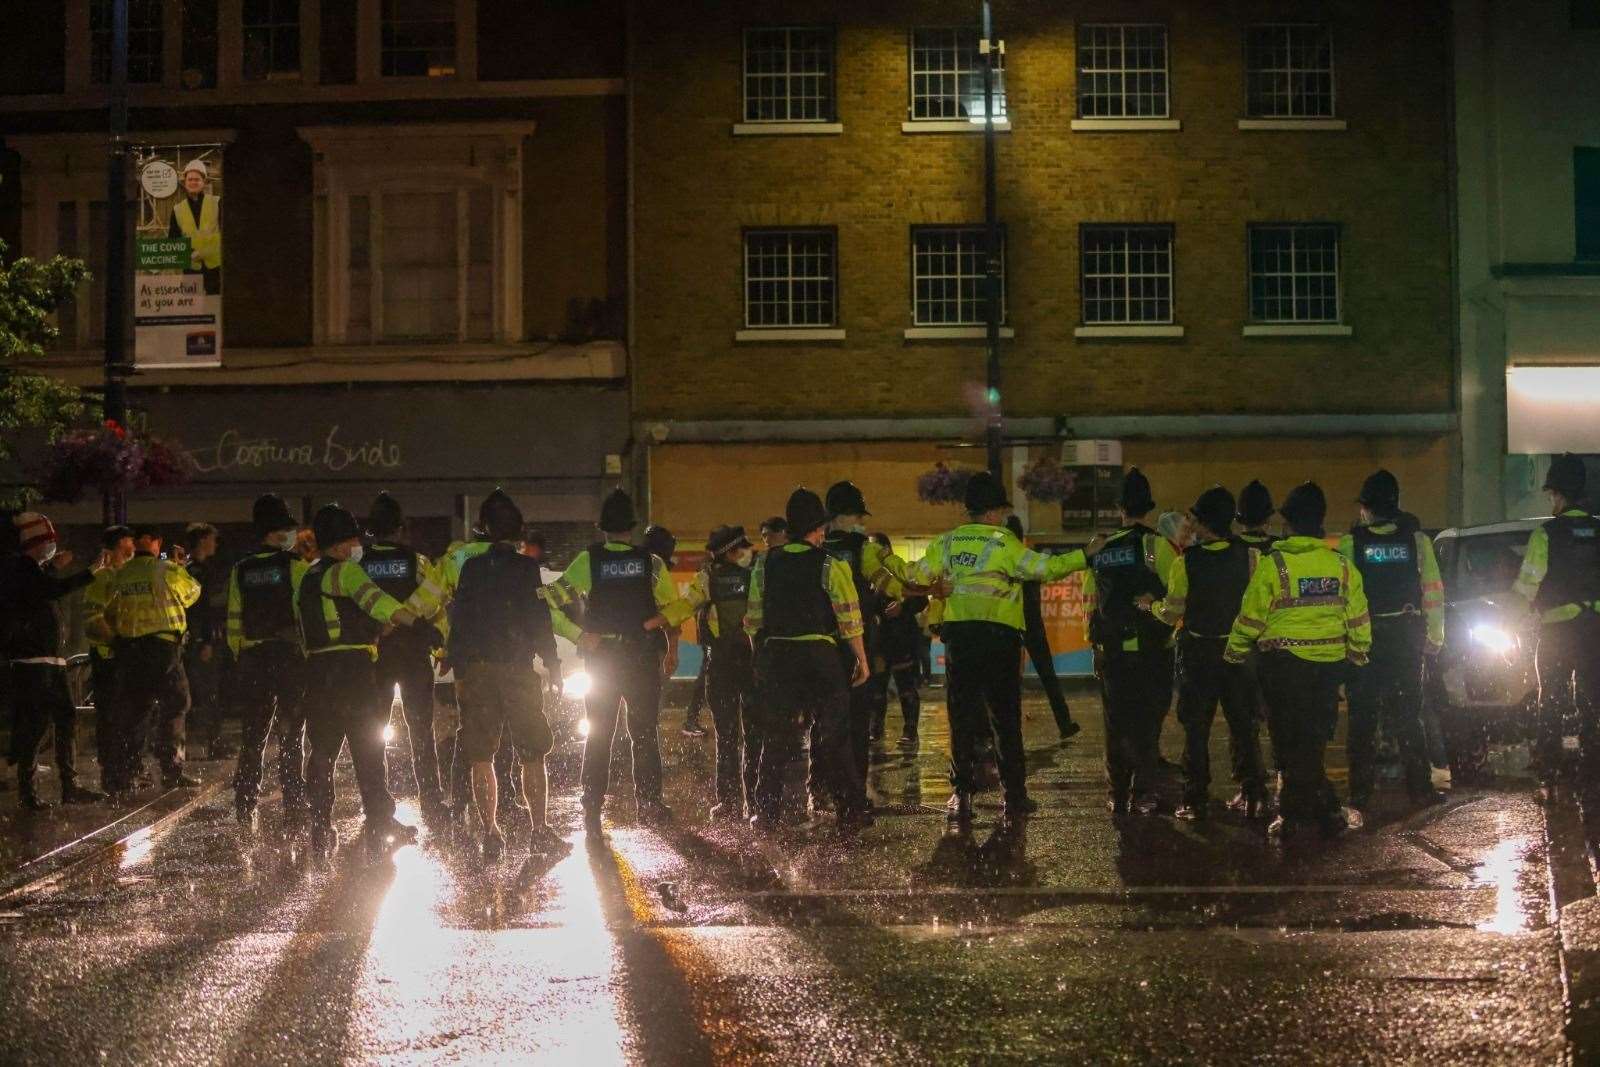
pixel 1273 643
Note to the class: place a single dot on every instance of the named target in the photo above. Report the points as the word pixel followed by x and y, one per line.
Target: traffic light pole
pixel 995 423
pixel 113 505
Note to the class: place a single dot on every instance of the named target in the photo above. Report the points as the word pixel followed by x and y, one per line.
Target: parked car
pixel 1483 685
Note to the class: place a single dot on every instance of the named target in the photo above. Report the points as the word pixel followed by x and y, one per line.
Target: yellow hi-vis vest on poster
pixel 205 237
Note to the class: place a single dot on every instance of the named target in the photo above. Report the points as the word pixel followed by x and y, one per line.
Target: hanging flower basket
pixel 943 485
pixel 1047 481
pixel 109 459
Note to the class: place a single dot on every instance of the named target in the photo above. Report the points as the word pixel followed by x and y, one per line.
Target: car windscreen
pixel 1485 564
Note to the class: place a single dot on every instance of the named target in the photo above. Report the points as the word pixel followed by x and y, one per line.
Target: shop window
pixel 1294 273
pixel 947 276
pixel 419 38
pixel 144 41
pixel 1126 275
pixel 790 278
pixel 271 40
pixel 788 74
pixel 1289 72
pixel 1122 72
pixel 947 76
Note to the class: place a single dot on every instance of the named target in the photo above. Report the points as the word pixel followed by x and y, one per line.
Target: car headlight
pixel 1493 639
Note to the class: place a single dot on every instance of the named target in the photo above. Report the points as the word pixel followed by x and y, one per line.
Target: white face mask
pixel 355 554
pixel 744 556
pixel 857 527
pixel 44 553
pixel 283 539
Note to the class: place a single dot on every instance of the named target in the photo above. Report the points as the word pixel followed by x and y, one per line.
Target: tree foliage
pixel 32 405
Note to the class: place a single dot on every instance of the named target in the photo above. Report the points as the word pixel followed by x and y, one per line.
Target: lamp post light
pixel 994 419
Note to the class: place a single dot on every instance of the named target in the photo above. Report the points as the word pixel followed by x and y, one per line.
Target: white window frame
pixel 1127 276
pixel 234 39
pixel 1124 71
pixel 962 230
pixel 422 158
pixel 955 123
pixel 1254 121
pixel 1267 327
pixel 831 113
pixel 754 331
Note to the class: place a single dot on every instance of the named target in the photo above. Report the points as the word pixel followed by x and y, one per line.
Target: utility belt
pixel 1408 611
pixel 171 636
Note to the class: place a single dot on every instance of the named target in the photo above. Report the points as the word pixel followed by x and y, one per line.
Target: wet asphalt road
pixel 1425 938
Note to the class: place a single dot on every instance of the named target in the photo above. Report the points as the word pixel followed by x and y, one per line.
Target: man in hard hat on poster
pixel 198 218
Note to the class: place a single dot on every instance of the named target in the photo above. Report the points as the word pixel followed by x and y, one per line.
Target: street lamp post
pixel 113 506
pixel 992 406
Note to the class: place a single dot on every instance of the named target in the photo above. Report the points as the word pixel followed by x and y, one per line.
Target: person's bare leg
pixel 486 795
pixel 535 789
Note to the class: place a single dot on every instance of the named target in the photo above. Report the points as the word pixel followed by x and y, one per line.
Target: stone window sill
pixel 1300 329
pixel 802 334
pixel 955 333
pixel 787 129
pixel 1125 125
pixel 1129 332
pixel 1300 125
pixel 953 126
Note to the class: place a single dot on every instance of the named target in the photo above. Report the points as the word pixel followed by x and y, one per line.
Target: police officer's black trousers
pixel 799 683
pixel 269 686
pixel 1205 679
pixel 1136 689
pixel 1044 665
pixel 151 687
pixel 1303 708
pixel 907 683
pixel 1389 691
pixel 1568 662
pixel 107 721
pixel 629 675
pixel 730 688
pixel 343 701
pixel 41 699
pixel 985 695
pixel 404 660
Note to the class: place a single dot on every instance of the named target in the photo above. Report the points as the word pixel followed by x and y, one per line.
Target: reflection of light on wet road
pixel 1500 869
pixel 137 848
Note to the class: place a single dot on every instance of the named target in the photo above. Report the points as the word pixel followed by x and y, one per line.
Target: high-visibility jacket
pixel 1571 590
pixel 1306 599
pixel 96 627
pixel 835 613
pixel 261 598
pixel 149 596
pixel 578 581
pixel 204 233
pixel 345 593
pixel 1207 605
pixel 985 567
pixel 1426 564
pixel 724 589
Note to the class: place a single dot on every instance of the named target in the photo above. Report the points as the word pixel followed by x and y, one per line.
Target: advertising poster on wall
pixel 177 275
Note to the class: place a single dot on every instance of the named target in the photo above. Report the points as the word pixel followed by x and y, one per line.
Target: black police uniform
pixel 1136 684
pixel 900 640
pixel 34 630
pixel 730 684
pixel 205 617
pixel 626 668
pixel 1389 688
pixel 404 659
pixel 1217 581
pixel 269 680
pixel 1568 657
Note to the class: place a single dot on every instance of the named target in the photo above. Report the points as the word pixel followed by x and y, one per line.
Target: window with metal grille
pixel 1127 274
pixel 1289 72
pixel 947 276
pixel 271 39
pixel 144 41
pixel 1122 72
pixel 947 76
pixel 419 38
pixel 790 278
pixel 1294 273
pixel 788 74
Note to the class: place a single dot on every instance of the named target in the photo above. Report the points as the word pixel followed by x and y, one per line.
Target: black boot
pixel 29 796
pixel 73 793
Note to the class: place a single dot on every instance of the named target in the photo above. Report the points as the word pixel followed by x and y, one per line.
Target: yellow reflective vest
pixel 1306 599
pixel 205 233
pixel 985 567
pixel 149 595
pixel 96 627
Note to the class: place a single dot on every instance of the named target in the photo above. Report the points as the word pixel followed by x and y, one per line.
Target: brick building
pixel 425 240
pixel 1227 245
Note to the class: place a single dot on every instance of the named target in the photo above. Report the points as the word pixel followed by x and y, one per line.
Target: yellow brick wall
pixel 1385 181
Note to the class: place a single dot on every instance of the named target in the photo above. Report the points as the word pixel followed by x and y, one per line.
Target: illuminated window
pixel 947 76
pixel 1122 72
pixel 1289 72
pixel 271 39
pixel 144 41
pixel 1127 274
pixel 419 38
pixel 790 278
pixel 1294 273
pixel 788 74
pixel 947 276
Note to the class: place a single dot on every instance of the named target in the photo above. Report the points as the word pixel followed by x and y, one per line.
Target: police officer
pixel 983 566
pixel 1560 580
pixel 720 592
pixel 900 639
pixel 1204 590
pixel 404 658
pixel 31 589
pixel 624 586
pixel 1305 610
pixel 1132 647
pixel 1037 643
pixel 116 548
pixel 499 620
pixel 803 609
pixel 1255 512
pixel 148 611
pixel 1405 595
pixel 202 659
pixel 341 615
pixel 269 664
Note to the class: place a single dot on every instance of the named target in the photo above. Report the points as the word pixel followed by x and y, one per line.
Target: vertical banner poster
pixel 177 266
